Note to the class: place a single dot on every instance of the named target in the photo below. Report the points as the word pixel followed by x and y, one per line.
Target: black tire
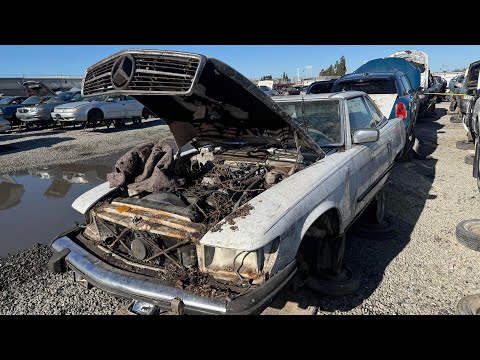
pixel 332 287
pixel 118 123
pixel 469 159
pixel 146 113
pixel 375 211
pixel 465 145
pixel 452 106
pixel 94 116
pixel 468 234
pixel 455 119
pixel 387 230
pixel 469 305
pixel 137 120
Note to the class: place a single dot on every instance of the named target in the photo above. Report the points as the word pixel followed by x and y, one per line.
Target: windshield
pixel 52 100
pixel 380 86
pixel 32 100
pixel 65 96
pixel 320 118
pixel 6 101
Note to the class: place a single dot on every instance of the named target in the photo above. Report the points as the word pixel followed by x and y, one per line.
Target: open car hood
pixel 35 88
pixel 203 100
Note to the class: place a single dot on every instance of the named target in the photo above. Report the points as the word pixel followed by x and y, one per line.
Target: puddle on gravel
pixel 35 205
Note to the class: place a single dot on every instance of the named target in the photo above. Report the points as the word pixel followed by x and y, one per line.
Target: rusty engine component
pixel 157 232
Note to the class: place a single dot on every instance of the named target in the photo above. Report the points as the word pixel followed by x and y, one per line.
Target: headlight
pixel 231 264
pixel 72 110
pixel 39 109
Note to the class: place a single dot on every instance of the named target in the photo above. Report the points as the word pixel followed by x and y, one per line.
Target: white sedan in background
pixel 110 108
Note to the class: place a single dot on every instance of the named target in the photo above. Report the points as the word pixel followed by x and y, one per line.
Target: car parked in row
pixel 388 81
pixel 268 91
pixel 428 86
pixel 320 87
pixel 467 101
pixel 8 112
pixel 269 189
pixel 40 114
pixel 102 109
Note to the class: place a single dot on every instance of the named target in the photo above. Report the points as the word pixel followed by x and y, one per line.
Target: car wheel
pixel 469 305
pixel 465 145
pixel 470 137
pixel 469 159
pixel 468 234
pixel 375 211
pixel 118 123
pixel 452 106
pixel 348 282
pixel 146 113
pixel 94 116
pixel 137 120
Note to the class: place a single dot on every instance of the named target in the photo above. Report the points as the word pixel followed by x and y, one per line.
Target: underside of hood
pixel 203 100
pixel 35 88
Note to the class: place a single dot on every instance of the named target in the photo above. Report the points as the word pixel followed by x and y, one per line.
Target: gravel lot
pixel 64 146
pixel 424 270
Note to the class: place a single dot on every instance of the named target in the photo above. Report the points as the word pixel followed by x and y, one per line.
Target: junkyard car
pixel 320 87
pixel 268 91
pixel 102 109
pixel 270 186
pixel 467 100
pixel 391 83
pixel 8 112
pixel 40 114
pixel 4 125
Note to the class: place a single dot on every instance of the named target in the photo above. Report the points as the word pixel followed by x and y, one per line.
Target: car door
pixel 134 108
pixel 370 160
pixel 115 107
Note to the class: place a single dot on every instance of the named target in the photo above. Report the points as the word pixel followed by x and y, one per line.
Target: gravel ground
pixel 63 146
pixel 424 270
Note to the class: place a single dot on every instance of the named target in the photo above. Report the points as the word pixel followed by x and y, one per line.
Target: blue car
pixel 389 76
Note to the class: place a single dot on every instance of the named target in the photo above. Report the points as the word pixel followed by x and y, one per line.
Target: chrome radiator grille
pixel 144 72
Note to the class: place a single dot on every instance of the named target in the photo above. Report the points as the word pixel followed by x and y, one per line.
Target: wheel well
pixel 325 226
pixel 93 110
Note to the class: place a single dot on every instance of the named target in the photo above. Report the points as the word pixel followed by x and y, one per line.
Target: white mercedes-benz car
pixel 263 198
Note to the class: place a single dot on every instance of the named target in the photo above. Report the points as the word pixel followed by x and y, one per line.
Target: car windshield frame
pixel 365 82
pixel 302 120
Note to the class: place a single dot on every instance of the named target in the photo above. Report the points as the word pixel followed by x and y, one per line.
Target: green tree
pixel 338 69
pixel 342 66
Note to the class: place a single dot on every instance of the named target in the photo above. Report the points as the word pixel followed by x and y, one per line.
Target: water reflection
pixel 35 205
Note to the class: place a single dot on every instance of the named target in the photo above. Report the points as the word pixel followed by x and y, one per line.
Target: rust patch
pixel 122 209
pixel 242 212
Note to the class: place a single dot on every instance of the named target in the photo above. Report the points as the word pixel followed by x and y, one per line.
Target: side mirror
pixel 363 136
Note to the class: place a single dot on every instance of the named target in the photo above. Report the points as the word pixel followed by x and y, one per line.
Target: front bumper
pixel 36 116
pixel 144 288
pixel 69 116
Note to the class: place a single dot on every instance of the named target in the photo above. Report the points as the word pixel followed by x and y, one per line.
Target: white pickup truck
pixel 270 187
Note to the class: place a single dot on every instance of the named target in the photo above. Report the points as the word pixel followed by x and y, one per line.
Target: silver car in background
pixel 101 109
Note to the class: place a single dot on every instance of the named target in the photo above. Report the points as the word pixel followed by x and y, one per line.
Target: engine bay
pixel 157 233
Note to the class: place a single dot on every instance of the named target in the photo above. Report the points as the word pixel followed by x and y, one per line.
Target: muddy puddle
pixel 35 205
